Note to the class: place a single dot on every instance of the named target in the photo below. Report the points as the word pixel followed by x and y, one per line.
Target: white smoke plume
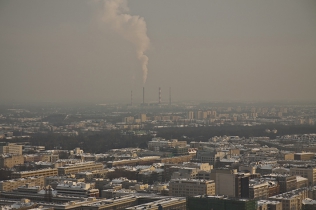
pixel 131 27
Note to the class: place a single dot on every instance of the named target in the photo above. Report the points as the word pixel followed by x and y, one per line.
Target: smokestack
pixel 131 98
pixel 169 95
pixel 143 95
pixel 159 95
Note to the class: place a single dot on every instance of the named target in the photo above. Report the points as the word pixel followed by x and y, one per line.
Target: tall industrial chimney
pixel 169 95
pixel 131 98
pixel 159 95
pixel 143 95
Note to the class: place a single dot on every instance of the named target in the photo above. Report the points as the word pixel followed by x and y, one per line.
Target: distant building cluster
pixel 219 173
pixel 225 172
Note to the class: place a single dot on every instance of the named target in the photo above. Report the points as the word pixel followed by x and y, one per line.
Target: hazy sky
pixel 78 50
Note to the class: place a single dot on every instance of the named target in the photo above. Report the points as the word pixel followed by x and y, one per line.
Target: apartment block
pixel 305 171
pixel 269 205
pixel 11 184
pixel 9 160
pixel 45 157
pixel 230 183
pixel 273 188
pixel 192 187
pixel 209 156
pixel 157 144
pixel 286 181
pixel 291 200
pixel 79 167
pixel 169 169
pixel 258 190
pixel 185 173
pixel 301 182
pixel 304 156
pixel 206 175
pixel 42 172
pixel 10 148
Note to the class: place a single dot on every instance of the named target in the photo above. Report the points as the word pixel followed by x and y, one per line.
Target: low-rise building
pixel 220 202
pixel 157 144
pixel 41 172
pixel 79 167
pixel 292 199
pixel 9 185
pixel 269 205
pixel 308 204
pixel 78 189
pixel 51 180
pixel 304 156
pixel 165 204
pixel 286 181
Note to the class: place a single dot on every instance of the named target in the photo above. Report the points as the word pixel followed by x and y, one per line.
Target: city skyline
pixel 59 51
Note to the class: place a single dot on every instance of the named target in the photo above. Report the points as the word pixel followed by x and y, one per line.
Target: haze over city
pixel 96 51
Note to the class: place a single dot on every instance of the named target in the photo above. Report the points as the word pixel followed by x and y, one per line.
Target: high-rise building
pixel 199 115
pixel 230 183
pixel 128 120
pixel 143 117
pixel 190 115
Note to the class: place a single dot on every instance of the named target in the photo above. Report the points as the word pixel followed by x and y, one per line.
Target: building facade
pixel 79 167
pixel 9 160
pixel 10 148
pixel 191 187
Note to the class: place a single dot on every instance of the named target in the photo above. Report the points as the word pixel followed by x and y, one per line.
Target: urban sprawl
pixel 183 156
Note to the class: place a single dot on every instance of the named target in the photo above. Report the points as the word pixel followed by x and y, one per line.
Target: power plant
pixel 159 102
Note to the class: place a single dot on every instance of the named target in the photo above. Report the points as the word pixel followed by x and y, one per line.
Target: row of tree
pixel 103 141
